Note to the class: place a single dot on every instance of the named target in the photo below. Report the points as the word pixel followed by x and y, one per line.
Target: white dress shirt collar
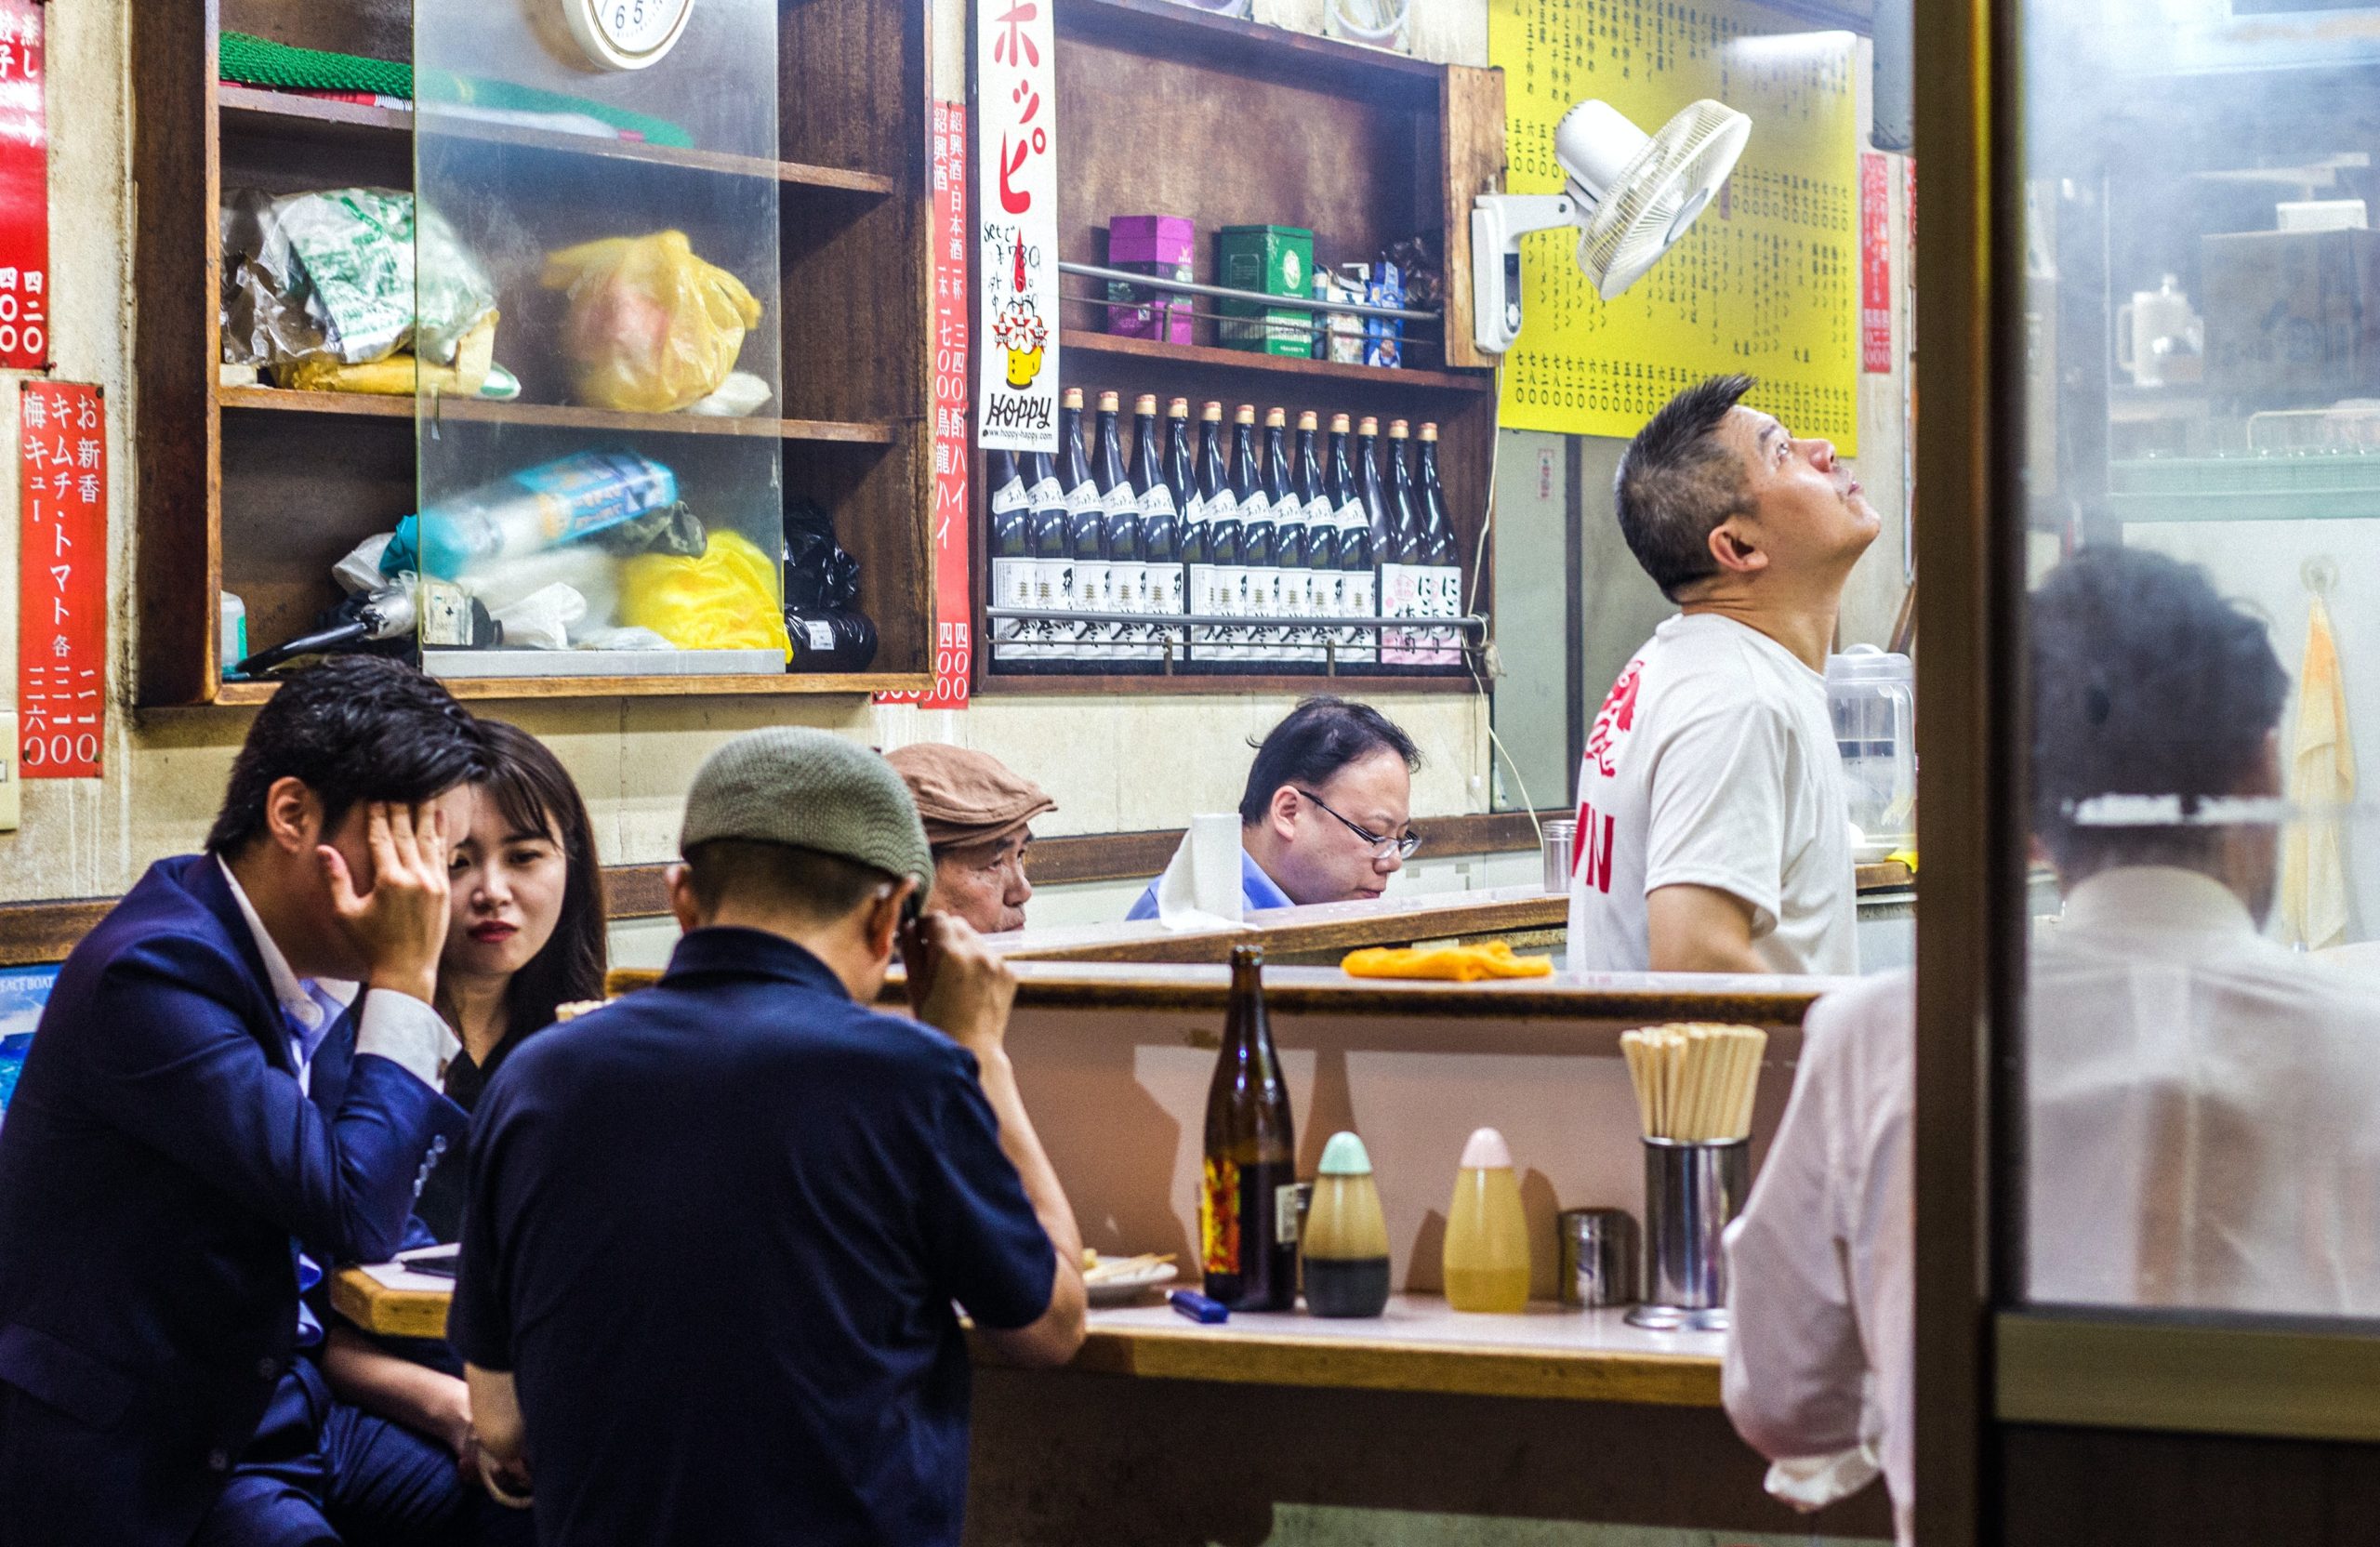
pixel 288 990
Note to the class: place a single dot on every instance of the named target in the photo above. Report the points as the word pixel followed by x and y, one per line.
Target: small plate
pixel 1124 1288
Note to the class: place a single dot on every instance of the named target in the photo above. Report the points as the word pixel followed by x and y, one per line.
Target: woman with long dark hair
pixel 525 933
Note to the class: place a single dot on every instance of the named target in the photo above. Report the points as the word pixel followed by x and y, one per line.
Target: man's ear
pixel 882 918
pixel 1734 550
pixel 1283 812
pixel 683 906
pixel 293 815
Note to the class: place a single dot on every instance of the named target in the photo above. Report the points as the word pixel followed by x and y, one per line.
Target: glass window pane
pixel 601 466
pixel 2201 485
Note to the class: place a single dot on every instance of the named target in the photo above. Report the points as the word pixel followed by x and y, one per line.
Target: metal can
pixel 1599 1257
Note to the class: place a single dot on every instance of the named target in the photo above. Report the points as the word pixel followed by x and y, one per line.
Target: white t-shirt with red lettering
pixel 1712 764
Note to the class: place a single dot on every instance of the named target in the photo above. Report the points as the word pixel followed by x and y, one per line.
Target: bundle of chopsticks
pixel 1695 1082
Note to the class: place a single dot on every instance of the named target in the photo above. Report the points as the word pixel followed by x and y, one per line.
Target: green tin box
pixel 1278 261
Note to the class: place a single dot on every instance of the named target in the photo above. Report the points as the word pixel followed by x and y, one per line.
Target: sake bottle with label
pixel 1212 546
pixel 1248 1197
pixel 1011 553
pixel 1160 529
pixel 1345 1248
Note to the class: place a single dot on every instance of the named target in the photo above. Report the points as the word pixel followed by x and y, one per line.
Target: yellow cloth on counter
pixel 1452 963
pixel 2321 781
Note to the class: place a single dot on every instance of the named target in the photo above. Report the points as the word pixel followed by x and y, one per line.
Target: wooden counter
pixel 1548 1351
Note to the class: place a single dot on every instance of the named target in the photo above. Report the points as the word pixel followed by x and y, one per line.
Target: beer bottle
pixel 1045 503
pixel 1293 597
pixel 1119 538
pixel 1352 524
pixel 1083 532
pixel 1214 591
pixel 1323 595
pixel 1160 526
pixel 1258 582
pixel 1441 573
pixel 1401 571
pixel 1248 1197
pixel 1380 516
pixel 1011 551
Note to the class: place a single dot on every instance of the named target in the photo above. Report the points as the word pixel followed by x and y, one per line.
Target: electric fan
pixel 1633 195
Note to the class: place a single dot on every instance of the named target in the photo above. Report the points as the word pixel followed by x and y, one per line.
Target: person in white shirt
pixel 2203 1106
pixel 1714 828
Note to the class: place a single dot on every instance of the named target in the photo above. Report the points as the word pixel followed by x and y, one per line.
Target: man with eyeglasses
pixel 1325 815
pixel 1713 826
pixel 978 818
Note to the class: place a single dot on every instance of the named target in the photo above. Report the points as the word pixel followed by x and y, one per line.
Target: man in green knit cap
pixel 715 1231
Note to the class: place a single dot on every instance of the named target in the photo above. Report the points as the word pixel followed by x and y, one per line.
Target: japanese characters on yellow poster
pixel 1765 283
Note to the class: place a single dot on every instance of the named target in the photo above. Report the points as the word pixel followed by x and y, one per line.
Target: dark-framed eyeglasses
pixel 1381 846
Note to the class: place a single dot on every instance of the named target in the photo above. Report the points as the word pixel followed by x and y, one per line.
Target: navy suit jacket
pixel 156 1161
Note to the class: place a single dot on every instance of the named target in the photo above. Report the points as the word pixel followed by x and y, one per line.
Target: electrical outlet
pixel 12 803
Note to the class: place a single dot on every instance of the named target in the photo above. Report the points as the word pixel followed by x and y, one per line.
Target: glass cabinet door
pixel 2181 1084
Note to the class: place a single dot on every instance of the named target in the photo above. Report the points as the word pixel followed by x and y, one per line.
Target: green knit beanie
pixel 811 790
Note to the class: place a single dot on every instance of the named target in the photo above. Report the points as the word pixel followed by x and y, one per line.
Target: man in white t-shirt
pixel 1713 830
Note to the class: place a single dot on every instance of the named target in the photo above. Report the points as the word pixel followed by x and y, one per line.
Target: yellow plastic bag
pixel 651 328
pixel 726 600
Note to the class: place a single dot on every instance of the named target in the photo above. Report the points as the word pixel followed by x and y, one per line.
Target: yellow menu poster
pixel 1765 283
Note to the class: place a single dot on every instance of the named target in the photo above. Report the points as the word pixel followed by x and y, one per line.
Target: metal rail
pixel 1256 298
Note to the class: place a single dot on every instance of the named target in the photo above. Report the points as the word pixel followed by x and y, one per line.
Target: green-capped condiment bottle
pixel 1347 1239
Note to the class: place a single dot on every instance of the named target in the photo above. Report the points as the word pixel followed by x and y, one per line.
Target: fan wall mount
pixel 1632 195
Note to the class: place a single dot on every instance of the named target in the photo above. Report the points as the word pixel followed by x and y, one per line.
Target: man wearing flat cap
pixel 715 1234
pixel 977 815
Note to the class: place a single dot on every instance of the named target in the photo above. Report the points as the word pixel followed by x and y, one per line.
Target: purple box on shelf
pixel 1158 245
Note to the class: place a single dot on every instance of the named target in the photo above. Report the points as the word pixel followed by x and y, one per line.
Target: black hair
pixel 2144 681
pixel 353 729
pixel 1319 737
pixel 819 887
pixel 1677 482
pixel 536 796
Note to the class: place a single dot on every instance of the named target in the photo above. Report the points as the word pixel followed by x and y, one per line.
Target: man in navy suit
pixel 203 1120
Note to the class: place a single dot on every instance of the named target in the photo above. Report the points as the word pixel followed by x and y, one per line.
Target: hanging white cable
pixel 1478 573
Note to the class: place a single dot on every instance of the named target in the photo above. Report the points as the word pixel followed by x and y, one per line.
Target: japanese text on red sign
pixel 62 579
pixel 953 646
pixel 24 190
pixel 1875 265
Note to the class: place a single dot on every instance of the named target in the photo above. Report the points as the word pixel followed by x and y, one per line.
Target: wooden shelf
pixel 552 416
pixel 282 114
pixel 1248 49
pixel 1273 364
pixel 498 688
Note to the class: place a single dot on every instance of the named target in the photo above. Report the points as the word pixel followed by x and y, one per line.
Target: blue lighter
pixel 1198 1307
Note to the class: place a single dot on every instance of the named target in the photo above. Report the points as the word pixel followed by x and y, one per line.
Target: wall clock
pixel 624 34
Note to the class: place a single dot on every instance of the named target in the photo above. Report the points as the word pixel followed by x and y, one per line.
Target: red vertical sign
pixel 24 190
pixel 1875 265
pixel 953 627
pixel 62 579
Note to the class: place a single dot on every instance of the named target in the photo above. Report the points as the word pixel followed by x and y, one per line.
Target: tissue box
pixel 1160 247
pixel 1274 260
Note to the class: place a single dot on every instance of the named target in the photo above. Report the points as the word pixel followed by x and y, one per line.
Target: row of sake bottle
pixel 1237 524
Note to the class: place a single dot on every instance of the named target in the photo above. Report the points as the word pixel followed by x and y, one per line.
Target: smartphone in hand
pixel 917 951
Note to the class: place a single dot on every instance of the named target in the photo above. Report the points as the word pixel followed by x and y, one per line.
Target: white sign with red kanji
pixel 62 579
pixel 1016 201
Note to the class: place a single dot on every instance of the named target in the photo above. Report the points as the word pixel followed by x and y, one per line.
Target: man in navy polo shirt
pixel 715 1234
